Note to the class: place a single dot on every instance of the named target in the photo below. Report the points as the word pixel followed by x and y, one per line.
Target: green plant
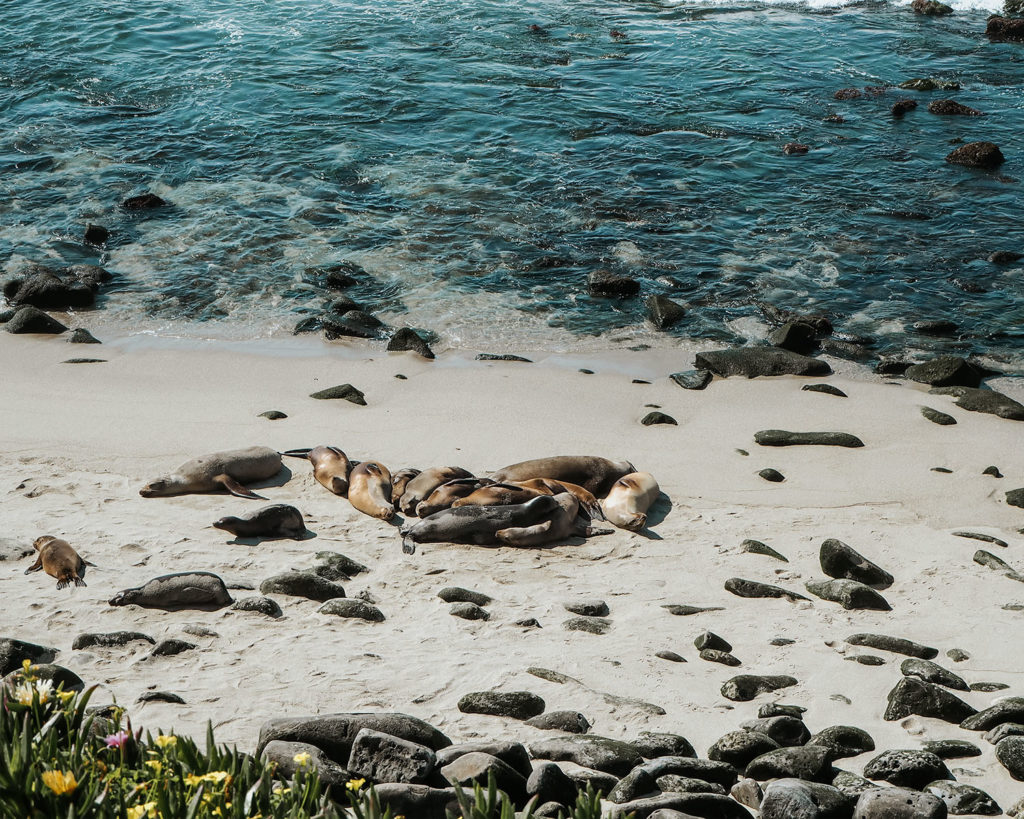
pixel 489 803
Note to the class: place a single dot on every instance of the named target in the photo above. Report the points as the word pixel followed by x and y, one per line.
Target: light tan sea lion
pixel 399 480
pixel 369 490
pixel 629 499
pixel 331 468
pixel 594 474
pixel 590 504
pixel 219 470
pixel 497 494
pixel 58 559
pixel 426 482
pixel 447 493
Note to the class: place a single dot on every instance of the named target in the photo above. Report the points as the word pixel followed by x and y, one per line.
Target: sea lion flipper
pixel 235 488
pixel 408 545
pixel 525 535
pixel 302 452
pixel 79 581
pixel 35 567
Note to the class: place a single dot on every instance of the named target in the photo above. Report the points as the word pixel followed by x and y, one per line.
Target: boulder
pixel 283 755
pixel 898 803
pixel 850 594
pixel 477 768
pixel 984 155
pixel 1010 709
pixel 600 753
pixel 933 673
pixel 54 289
pixel 841 561
pixel 978 400
pixel 30 319
pixel 961 798
pixel 515 704
pixel 692 379
pixel 745 687
pixel 352 608
pixel 931 8
pixel 952 108
pixel 759 361
pixel 569 722
pixel 786 730
pixel 144 201
pixel 408 340
pixel 1010 753
pixel 1005 28
pixel 740 747
pixel 720 773
pixel 907 769
pixel 898 645
pixel 611 285
pixel 343 391
pixel 945 371
pixel 512 753
pixel 843 741
pixel 913 696
pixel 706 805
pixel 797 799
pixel 663 312
pixel 549 783
pixel 810 762
pixel 782 437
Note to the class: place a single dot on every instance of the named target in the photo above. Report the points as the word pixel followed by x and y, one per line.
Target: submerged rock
pixel 984 155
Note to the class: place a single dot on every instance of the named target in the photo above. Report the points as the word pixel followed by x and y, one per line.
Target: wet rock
pixel 652 745
pixel 283 755
pixel 663 312
pixel 502 357
pixel 898 645
pixel 709 805
pixel 658 418
pixel 352 324
pixel 469 611
pixel 984 155
pixel 352 608
pixel 951 748
pixel 945 371
pixel 795 149
pixel 848 94
pixel 168 648
pixel 591 625
pixel 14 652
pixel 1005 257
pixel 632 786
pixel 160 696
pixel 752 588
pixel 587 608
pixel 781 437
pixel 828 389
pixel 1010 709
pixel 931 8
pixel 929 84
pixel 937 417
pixel 109 640
pixel 843 741
pixel 344 391
pixel 810 762
pixel 841 561
pixel 1005 28
pixel 745 687
pixel 82 336
pixel 381 757
pixel 756 547
pixel 759 361
pixel 600 753
pixel 30 319
pixel 978 400
pixel 794 336
pixel 724 657
pixel 796 799
pixel 96 234
pixel 740 747
pixel 515 704
pixel 584 777
pixel 692 379
pixel 907 769
pixel 850 594
pixel 772 475
pixel 952 108
pixel 721 773
pixel 477 768
pixel 785 730
pixel 260 605
pixel 935 327
pixel 913 696
pixel 898 803
pixel 408 340
pixel 571 722
pixel 892 366
pixel 47 288
pixel 901 107
pixel 961 798
pixel 931 672
pixel 145 201
pixel 272 415
pixel 302 584
pixel 610 285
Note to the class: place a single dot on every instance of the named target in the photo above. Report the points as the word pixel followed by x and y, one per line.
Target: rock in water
pixel 983 155
pixel 610 285
pixel 184 590
pixel 408 340
pixel 600 753
pixel 663 312
pixel 1004 28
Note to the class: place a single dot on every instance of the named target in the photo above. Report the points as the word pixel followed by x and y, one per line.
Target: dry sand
pixel 78 441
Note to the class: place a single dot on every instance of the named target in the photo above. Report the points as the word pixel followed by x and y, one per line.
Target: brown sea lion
pixel 58 559
pixel 426 482
pixel 219 470
pixel 548 486
pixel 447 493
pixel 399 480
pixel 629 499
pixel 274 521
pixel 497 494
pixel 369 490
pixel 594 474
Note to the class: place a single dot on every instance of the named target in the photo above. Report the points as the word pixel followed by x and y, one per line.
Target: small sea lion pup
pixel 219 470
pixel 369 490
pixel 274 521
pixel 420 487
pixel 58 559
pixel 627 504
pixel 331 466
pixel 399 480
pixel 594 474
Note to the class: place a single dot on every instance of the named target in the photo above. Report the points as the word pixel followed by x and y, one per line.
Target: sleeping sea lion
pixel 369 490
pixel 276 520
pixel 399 480
pixel 184 590
pixel 426 482
pixel 331 466
pixel 447 493
pixel 58 559
pixel 220 470
pixel 496 494
pixel 594 474
pixel 549 486
pixel 629 499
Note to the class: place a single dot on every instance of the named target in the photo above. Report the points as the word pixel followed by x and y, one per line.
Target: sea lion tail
pixel 303 452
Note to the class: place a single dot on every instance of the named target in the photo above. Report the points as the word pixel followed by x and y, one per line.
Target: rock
pixel 778 709
pixel 724 657
pixel 759 361
pixel 469 611
pixel 752 588
pixel 1005 257
pixel 707 805
pixel 145 201
pixel 843 741
pixel 591 625
pixel 841 561
pixel 895 644
pixel 549 783
pixel 708 639
pixel 907 769
pixel 14 652
pixel 984 155
pixel 786 730
pixel 260 605
pixel 108 640
pixel 168 648
pixel 610 285
pixel 930 672
pixel 587 608
pixel 62 678
pixel 85 361
pixel 506 357
pixel 990 561
pixel 747 792
pixel 810 762
pixel 851 784
pixel 913 696
pixel 587 777
pixel 96 234
pixel 692 379
pixel 865 659
pixel 283 755
pixel 600 753
pixel 43 287
pixel 892 366
pixel 740 747
pixel 796 799
pixel 850 594
pixel 302 584
pixel 961 798
pixel 31 319
pixel 937 417
pixel 381 757
pixel 658 418
pixel 686 611
pixel 652 745
pixel 418 801
pixel 988 686
pixel 952 108
pixel 345 391
pixel 848 94
pixel 477 768
pixel 795 336
pixel 1001 732
pixel 342 566
pixel 1004 28
pixel 513 754
pixel 663 312
pixel 1010 709
pixel 408 340
pixel 272 415
pixel 951 748
pixel 352 324
pixel 1015 497
pixel 82 336
pixel 845 349
pixel 456 594
pixel 978 400
pixel 355 609
pixel 756 547
pixel 901 107
pixel 671 783
pixel 160 696
pixel 571 722
pixel 515 704
pixel 931 8
pixel 929 84
pixel 633 785
pixel 721 773
pixel 982 537
pixel 772 475
pixel 898 803
pixel 945 371
pixel 781 437
pixel 745 687
pixel 795 149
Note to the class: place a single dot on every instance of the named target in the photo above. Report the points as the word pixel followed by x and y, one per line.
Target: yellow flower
pixel 139 811
pixel 60 782
pixel 166 740
pixel 302 759
pixel 26 667
pixel 155 764
pixel 65 695
pixel 214 777
pixel 355 784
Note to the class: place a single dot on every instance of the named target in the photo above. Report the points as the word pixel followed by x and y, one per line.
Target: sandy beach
pixel 77 442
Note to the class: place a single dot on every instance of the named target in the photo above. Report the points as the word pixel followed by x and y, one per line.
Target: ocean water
pixel 479 159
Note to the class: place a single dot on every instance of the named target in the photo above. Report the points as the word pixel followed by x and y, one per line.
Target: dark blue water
pixel 479 168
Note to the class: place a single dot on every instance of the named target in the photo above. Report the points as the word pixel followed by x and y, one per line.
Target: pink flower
pixel 117 740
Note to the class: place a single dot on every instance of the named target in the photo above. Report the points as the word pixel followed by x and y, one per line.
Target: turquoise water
pixel 478 169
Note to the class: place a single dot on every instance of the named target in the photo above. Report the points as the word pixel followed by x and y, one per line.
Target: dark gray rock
pixel 515 704
pixel 931 8
pixel 14 652
pixel 753 589
pixel 343 391
pixel 865 659
pixel 708 639
pixel 96 234
pixel 782 437
pixel 756 547
pixel 273 415
pixel 477 768
pixel 907 769
pixel 945 371
pixel 408 340
pixel 745 687
pixel 951 748
pixel 898 803
pixel 1010 709
pixel 302 584
pixel 841 561
pixel 671 656
pixel 772 475
pixel 988 687
pixel 610 285
pixel 513 754
pixel 600 753
pixel 846 350
pixel 913 696
pixel 991 561
pixel 283 755
pixel 898 645
pixel 160 696
pixel 501 357
pixel 828 389
pixel 587 777
pixel 655 417
pixel 787 731
pixel 852 784
pixel 345 566
pixel 962 799
pixel 1015 497
pixel 260 605
pixel 901 107
pixel 759 361
pixel 469 611
pixel 635 784
pixel 672 783
pixel 1007 729
pixel 794 336
pixel 983 155
pixel 420 801
pixel 663 312
pixel 355 609
pixel 843 741
pixel 50 289
pixel 936 417
pixel 382 757
pixel 686 611
pixel 988 401
pixel 108 640
pixel 85 361
pixel 1010 753
pixel 935 327
pixel 30 319
pixel 724 657
pixel 849 594
pixel 456 594
pixel 587 608
pixel 1005 257
pixel 82 336
pixel 352 324
pixel 892 366
pixel 778 709
pixel 931 672
pixel 705 805
pixel 740 747
pixel 549 783
pixel 810 762
pixel 692 379
pixel 168 648
pixel 144 201
pixel 720 773
pixel 796 799
pixel 652 745
pixel 982 537
pixel 571 722
pixel 591 625
pixel 958 655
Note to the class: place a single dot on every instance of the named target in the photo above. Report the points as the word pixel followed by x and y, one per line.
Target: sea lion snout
pixel 153 489
pixel 228 524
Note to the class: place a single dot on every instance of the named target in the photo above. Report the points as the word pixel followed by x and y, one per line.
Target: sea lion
pixel 219 470
pixel 594 474
pixel 549 486
pixel 629 499
pixel 274 521
pixel 331 466
pixel 399 480
pixel 184 590
pixel 369 490
pixel 58 559
pixel 426 482
pixel 447 493
pixel 496 494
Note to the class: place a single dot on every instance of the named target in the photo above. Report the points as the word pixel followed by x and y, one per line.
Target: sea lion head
pixel 40 542
pixel 124 598
pixel 228 524
pixel 155 489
